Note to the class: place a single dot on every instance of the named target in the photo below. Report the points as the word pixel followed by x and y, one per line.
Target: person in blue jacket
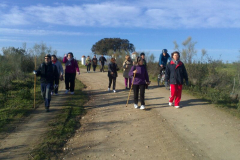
pixel 163 59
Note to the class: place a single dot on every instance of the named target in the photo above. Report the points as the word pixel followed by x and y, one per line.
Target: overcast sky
pixel 151 25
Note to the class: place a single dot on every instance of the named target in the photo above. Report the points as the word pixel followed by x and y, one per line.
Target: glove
pixel 78 73
pixel 55 86
pixel 34 72
pixel 187 83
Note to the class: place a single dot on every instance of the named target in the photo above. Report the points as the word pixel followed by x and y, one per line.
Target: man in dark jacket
pixel 48 73
pixel 175 72
pixel 102 59
pixel 163 59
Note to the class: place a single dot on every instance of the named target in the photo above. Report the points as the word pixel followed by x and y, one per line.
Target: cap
pixel 48 56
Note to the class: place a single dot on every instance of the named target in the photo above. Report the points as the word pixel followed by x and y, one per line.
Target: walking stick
pixel 130 89
pixel 35 79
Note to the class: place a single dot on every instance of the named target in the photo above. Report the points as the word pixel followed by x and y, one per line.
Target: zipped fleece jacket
pixel 141 76
pixel 175 73
pixel 71 67
pixel 48 73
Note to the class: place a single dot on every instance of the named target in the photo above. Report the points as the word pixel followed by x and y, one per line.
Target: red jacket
pixel 72 66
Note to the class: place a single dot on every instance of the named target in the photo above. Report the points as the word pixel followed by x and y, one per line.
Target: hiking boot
pixel 135 106
pixel 114 91
pixel 177 106
pixel 142 107
pixel 56 94
pixel 72 92
pixel 126 88
pixel 170 103
pixel 47 109
pixel 67 91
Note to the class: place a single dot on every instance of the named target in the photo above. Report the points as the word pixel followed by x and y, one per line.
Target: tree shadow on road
pixel 193 102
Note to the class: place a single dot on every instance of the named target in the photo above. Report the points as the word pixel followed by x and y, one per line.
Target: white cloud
pixel 139 14
pixel 4 31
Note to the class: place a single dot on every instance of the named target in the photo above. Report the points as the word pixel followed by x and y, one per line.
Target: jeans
pixel 46 93
pixel 88 67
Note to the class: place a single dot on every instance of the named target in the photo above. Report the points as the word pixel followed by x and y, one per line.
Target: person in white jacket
pixel 60 71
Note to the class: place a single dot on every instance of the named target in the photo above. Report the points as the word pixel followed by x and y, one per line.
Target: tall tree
pixel 116 44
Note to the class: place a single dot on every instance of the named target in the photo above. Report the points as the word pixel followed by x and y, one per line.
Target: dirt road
pixel 112 131
pixel 18 144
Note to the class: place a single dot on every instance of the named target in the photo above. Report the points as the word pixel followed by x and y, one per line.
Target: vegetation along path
pixel 18 144
pixel 110 130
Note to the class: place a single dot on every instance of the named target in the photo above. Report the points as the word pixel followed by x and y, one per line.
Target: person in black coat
pixel 102 59
pixel 49 74
pixel 174 75
pixel 112 74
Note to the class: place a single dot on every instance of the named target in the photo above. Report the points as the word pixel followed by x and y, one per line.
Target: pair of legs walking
pixel 175 94
pixel 88 67
pixel 136 89
pixel 94 67
pixel 102 67
pixel 70 78
pixel 112 79
pixel 46 94
pixel 126 82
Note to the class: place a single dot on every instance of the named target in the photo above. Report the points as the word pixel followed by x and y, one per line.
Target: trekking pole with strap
pixel 35 79
pixel 130 88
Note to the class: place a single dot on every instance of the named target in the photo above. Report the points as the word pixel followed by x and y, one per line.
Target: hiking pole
pixel 35 79
pixel 130 88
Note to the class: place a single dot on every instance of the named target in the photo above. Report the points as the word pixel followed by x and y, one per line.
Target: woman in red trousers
pixel 175 72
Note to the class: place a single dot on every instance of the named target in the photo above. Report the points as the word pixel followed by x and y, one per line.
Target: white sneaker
pixel 142 107
pixel 67 91
pixel 170 103
pixel 114 91
pixel 108 89
pixel 135 106
pixel 51 93
pixel 177 106
pixel 72 92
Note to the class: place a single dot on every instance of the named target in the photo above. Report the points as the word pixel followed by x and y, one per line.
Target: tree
pixel 115 44
pixel 188 52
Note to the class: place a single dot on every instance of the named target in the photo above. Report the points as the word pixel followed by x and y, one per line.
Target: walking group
pixel 51 71
pixel 134 72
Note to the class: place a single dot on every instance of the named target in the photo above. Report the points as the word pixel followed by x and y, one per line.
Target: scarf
pixel 54 61
pixel 68 63
pixel 176 62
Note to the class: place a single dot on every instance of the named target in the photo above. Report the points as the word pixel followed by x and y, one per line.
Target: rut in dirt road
pixel 112 131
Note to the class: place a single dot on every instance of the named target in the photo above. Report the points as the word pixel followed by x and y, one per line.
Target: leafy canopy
pixel 115 44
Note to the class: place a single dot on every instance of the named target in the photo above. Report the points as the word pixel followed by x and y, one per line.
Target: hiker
pixel 175 72
pixel 127 65
pixel 49 74
pixel 142 55
pixel 94 63
pixel 70 71
pixel 112 74
pixel 102 59
pixel 88 64
pixel 163 59
pixel 140 82
pixel 60 72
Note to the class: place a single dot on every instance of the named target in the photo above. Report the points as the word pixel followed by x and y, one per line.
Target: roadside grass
pixel 18 103
pixel 62 127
